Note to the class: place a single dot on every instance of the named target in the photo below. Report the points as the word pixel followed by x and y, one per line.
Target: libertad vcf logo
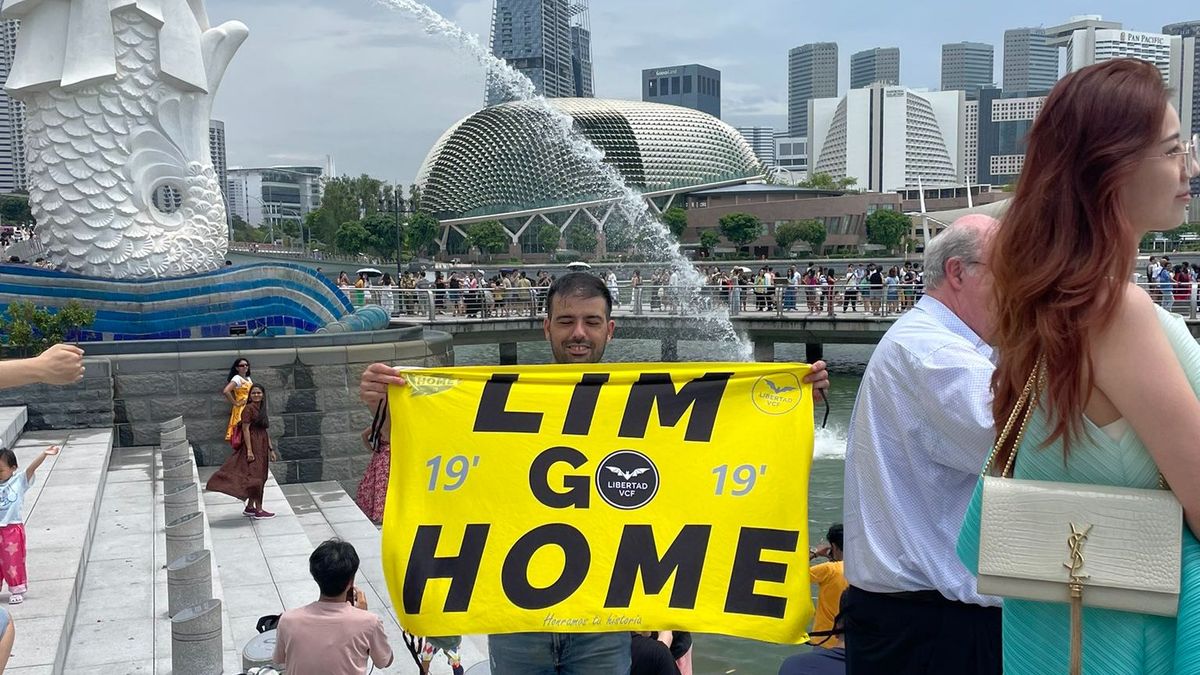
pixel 627 479
pixel 776 394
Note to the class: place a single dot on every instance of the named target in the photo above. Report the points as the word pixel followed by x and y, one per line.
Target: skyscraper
pixel 1189 88
pixel 812 73
pixel 1030 62
pixel 692 86
pixel 549 41
pixel 762 141
pixel 12 118
pixel 880 65
pixel 967 66
pixel 216 147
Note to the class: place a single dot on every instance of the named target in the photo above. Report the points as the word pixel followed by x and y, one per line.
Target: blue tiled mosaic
pixel 276 299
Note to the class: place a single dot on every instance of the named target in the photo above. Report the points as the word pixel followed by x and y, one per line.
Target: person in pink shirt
pixel 335 634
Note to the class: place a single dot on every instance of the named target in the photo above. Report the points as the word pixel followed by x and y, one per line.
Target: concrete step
pixel 60 513
pixel 12 422
pixel 122 623
pixel 326 510
pixel 262 564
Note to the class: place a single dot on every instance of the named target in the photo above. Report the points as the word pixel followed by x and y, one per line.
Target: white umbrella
pixel 579 265
pixel 370 272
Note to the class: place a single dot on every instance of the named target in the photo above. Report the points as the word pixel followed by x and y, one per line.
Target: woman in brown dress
pixel 244 474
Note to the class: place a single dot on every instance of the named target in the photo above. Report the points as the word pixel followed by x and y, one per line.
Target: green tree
pixel 548 237
pixel 813 231
pixel 382 230
pixel 676 220
pixel 352 238
pixel 787 234
pixel 15 210
pixel 582 238
pixel 489 237
pixel 245 232
pixel 414 198
pixel 41 327
pixel 887 228
pixel 422 233
pixel 313 224
pixel 824 181
pixel 740 228
pixel 709 240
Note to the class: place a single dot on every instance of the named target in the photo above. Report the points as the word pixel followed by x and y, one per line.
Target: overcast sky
pixel 364 83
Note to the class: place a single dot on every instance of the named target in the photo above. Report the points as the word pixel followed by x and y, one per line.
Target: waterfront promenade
pixel 676 314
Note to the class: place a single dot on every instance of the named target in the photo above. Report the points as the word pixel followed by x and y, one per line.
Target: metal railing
pixel 434 304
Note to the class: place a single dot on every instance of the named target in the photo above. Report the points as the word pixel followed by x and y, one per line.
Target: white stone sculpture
pixel 118 96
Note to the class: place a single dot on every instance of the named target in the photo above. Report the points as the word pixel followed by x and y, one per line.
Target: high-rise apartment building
pixel 692 86
pixel 12 118
pixel 880 65
pixel 812 73
pixel 216 147
pixel 549 41
pixel 762 141
pixel 967 66
pixel 1030 61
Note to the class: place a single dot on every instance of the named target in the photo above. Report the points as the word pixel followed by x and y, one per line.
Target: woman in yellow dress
pixel 236 392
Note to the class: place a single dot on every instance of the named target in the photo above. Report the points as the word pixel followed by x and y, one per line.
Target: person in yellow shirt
pixel 828 656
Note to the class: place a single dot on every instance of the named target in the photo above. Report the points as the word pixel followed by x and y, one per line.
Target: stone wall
pixel 88 404
pixel 311 383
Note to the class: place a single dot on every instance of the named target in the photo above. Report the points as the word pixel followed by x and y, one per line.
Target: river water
pixel 717 654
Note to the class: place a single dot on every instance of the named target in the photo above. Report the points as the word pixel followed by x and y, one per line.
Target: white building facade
pixel 889 138
pixel 12 118
pixel 271 195
pixel 762 141
pixel 1091 45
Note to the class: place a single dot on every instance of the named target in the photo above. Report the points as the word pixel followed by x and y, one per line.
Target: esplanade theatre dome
pixel 507 158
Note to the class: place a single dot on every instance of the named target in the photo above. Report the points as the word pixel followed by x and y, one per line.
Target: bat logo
pixel 627 479
pixel 627 475
pixel 777 389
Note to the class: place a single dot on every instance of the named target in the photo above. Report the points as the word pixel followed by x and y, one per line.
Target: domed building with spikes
pixel 508 163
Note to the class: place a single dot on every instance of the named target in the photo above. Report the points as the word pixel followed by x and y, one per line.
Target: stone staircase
pixel 325 510
pixel 97 602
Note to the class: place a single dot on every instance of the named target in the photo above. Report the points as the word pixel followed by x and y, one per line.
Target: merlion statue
pixel 118 96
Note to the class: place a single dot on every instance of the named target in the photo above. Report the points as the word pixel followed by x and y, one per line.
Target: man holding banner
pixel 596 493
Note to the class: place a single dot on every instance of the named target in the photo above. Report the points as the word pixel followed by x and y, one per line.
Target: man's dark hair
pixel 333 565
pixel 835 536
pixel 582 284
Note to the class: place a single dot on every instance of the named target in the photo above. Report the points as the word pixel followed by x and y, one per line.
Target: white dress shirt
pixel 919 434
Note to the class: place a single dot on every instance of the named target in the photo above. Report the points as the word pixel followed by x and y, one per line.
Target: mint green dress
pixel 1037 634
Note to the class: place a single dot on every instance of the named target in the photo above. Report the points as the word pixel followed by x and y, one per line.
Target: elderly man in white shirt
pixel 919 435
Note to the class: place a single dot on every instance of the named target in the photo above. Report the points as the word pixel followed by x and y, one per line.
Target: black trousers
pixel 919 633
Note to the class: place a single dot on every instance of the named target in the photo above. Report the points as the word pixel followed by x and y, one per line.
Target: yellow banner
pixel 589 498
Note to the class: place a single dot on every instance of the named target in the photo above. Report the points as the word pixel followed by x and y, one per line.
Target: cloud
pixel 366 84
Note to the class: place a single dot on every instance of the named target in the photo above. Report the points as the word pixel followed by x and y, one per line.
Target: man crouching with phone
pixel 335 634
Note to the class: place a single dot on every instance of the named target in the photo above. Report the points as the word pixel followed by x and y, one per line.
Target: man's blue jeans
pixel 560 653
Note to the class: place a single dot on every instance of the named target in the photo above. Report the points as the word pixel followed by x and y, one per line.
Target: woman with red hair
pixel 1106 163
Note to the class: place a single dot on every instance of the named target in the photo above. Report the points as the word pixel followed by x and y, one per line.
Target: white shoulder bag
pixel 1087 545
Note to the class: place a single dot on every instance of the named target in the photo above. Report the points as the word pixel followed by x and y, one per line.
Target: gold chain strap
pixel 1027 401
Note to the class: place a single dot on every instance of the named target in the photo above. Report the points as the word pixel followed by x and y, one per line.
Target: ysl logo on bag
pixel 1076 541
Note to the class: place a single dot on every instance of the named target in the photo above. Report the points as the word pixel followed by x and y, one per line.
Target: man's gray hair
pixel 961 241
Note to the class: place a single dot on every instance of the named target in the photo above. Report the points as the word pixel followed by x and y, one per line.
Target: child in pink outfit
pixel 13 485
